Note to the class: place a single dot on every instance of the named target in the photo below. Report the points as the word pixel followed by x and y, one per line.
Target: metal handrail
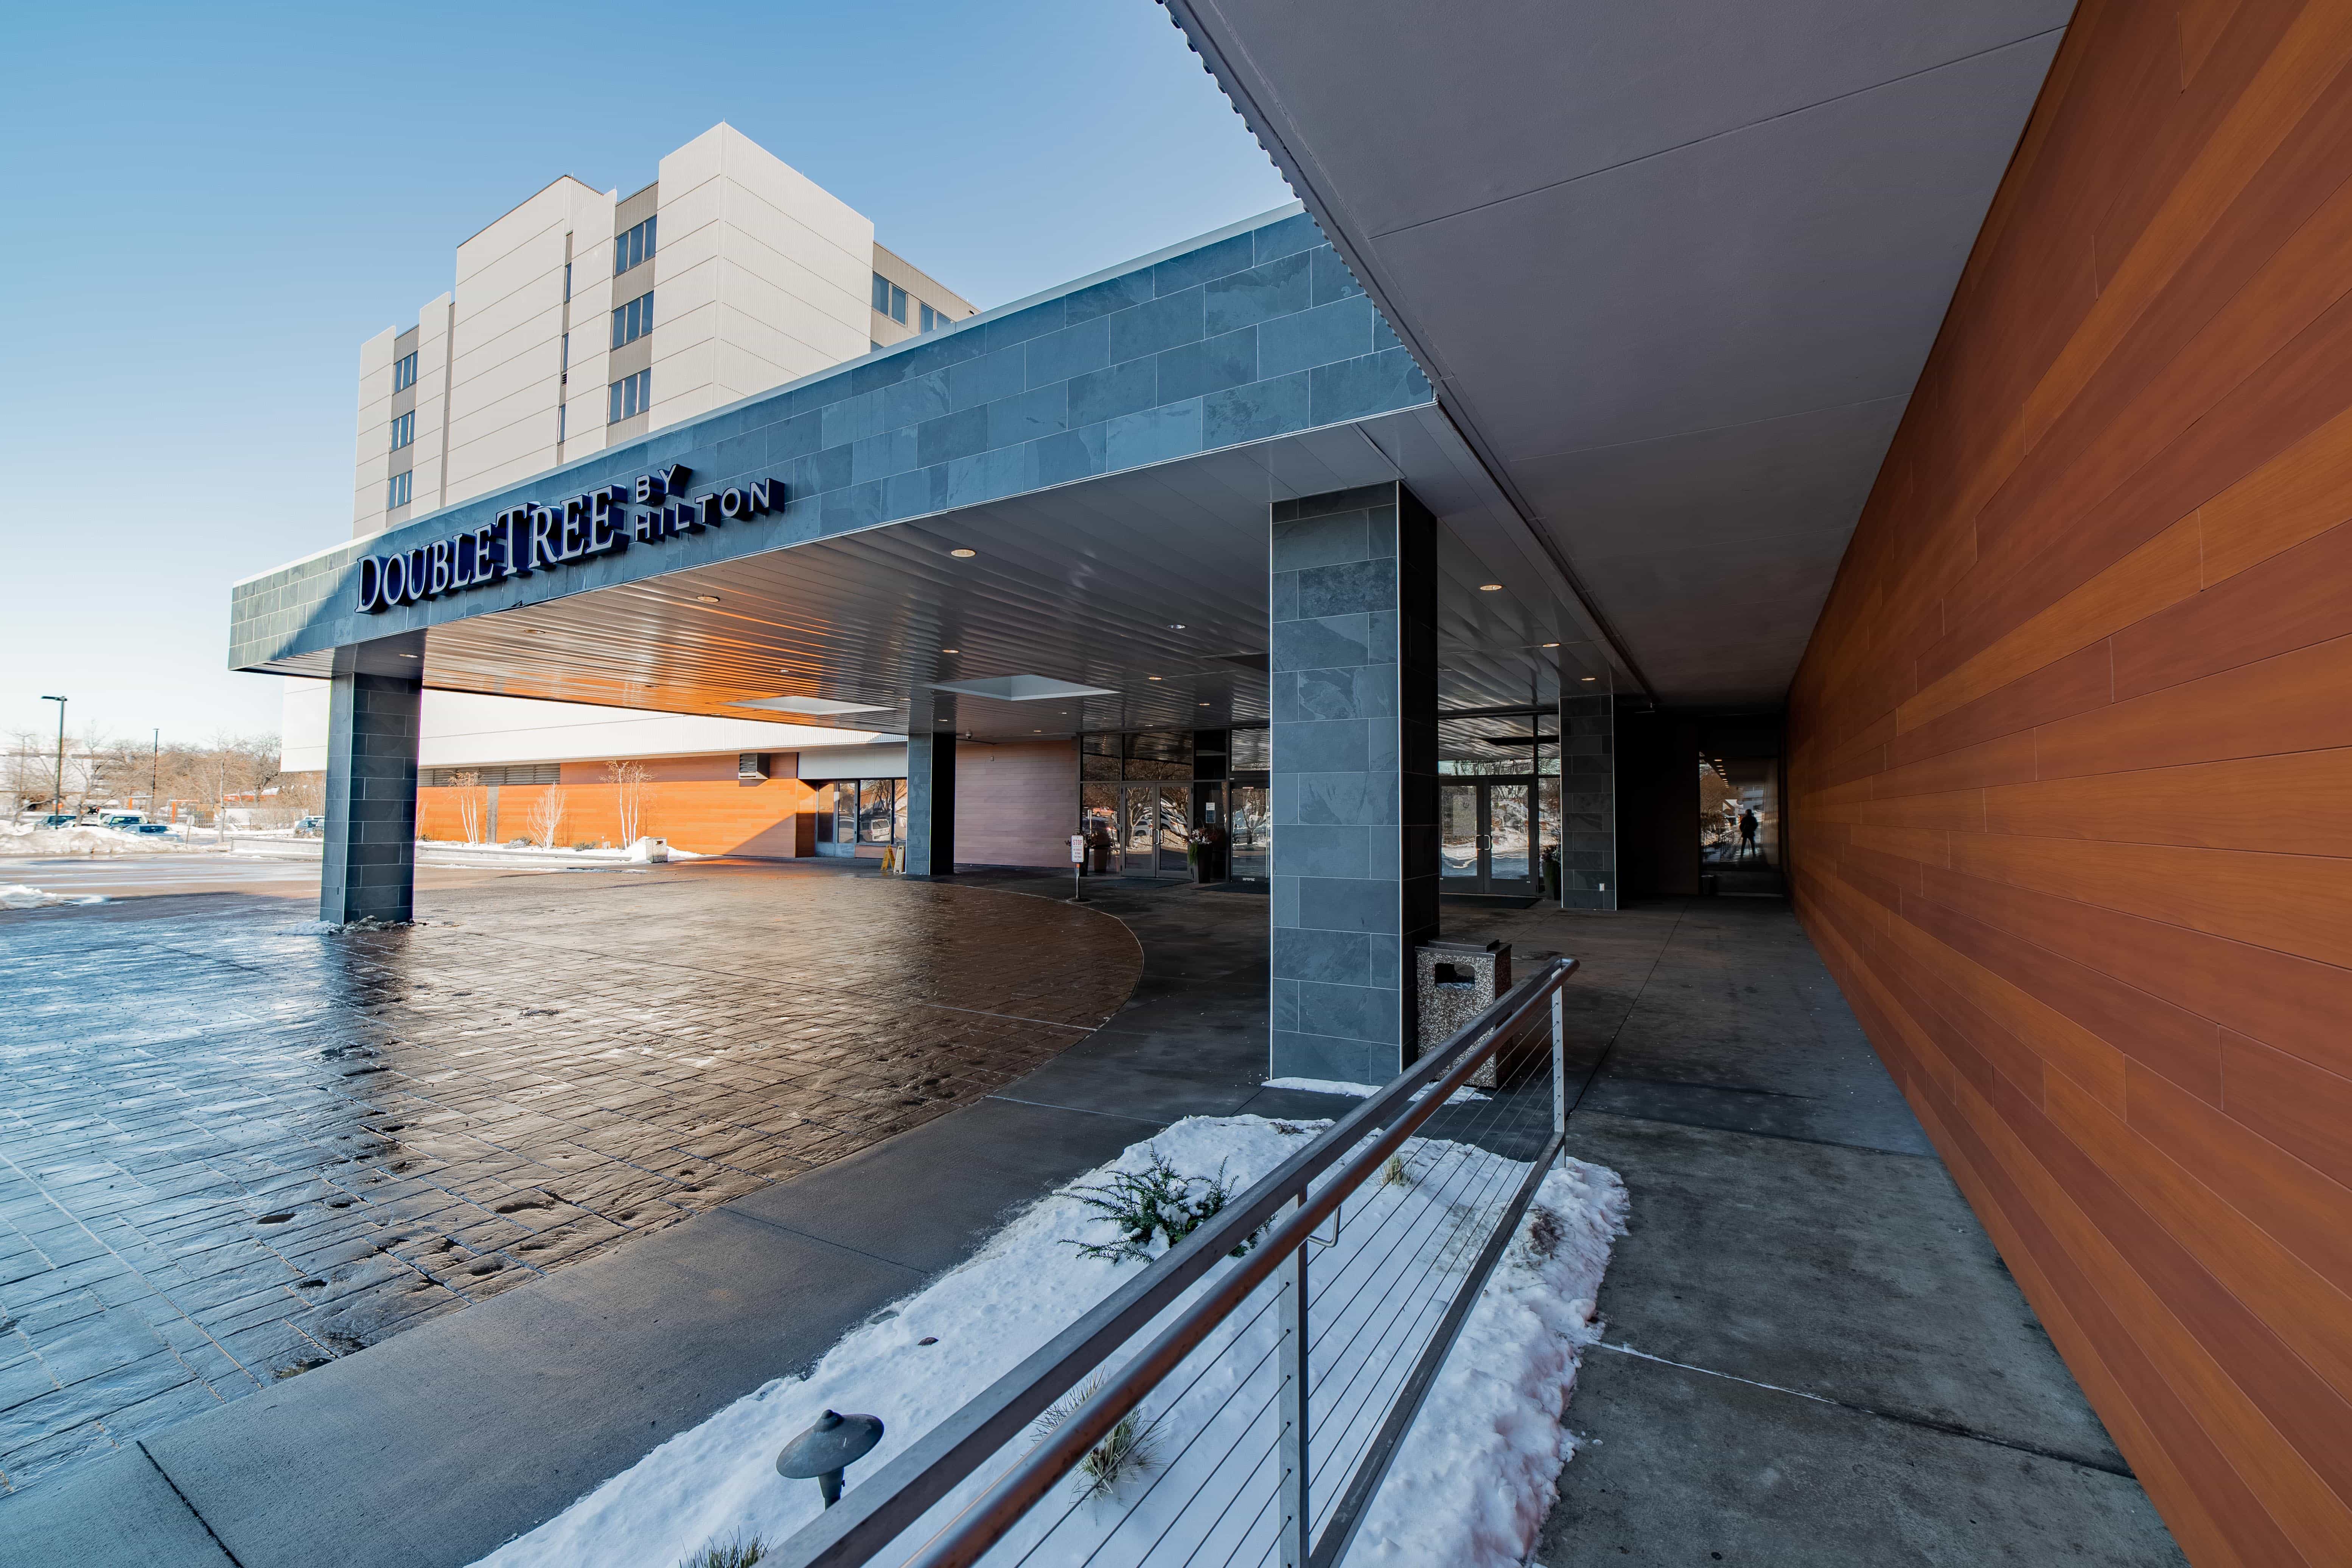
pixel 875 1513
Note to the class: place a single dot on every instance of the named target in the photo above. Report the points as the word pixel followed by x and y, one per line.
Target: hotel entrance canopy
pixel 1075 487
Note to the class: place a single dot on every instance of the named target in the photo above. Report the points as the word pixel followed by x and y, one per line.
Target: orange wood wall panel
pixel 695 802
pixel 2071 751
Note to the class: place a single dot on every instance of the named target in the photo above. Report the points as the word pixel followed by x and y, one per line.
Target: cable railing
pixel 1287 1344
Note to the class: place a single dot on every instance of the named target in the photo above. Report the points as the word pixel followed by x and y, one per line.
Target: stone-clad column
pixel 930 805
pixel 1588 802
pixel 369 859
pixel 1352 662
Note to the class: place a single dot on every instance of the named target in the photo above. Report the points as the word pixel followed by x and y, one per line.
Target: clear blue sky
pixel 210 208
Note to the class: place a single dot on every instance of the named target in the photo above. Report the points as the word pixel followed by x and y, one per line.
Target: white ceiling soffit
pixel 1024 688
pixel 1673 268
pixel 815 707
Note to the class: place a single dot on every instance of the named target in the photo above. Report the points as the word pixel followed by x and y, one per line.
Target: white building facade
pixel 585 316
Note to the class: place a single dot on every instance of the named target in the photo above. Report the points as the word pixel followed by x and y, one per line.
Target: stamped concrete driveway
pixel 234 1146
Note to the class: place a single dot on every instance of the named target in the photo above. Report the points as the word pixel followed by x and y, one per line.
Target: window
pixel 403 372
pixel 634 247
pixel 634 319
pixel 889 299
pixel 935 319
pixel 631 395
pixel 567 279
pixel 560 410
pixel 403 430
pixel 395 491
pixel 566 362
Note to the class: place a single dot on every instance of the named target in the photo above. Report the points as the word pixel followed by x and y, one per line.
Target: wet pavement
pixel 235 1147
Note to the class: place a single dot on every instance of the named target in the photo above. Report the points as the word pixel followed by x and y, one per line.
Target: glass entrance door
pixel 1487 834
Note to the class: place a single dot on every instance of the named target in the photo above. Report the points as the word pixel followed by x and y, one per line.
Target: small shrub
pixel 1160 1205
pixel 1125 1449
pixel 1396 1173
pixel 1545 1233
pixel 735 1552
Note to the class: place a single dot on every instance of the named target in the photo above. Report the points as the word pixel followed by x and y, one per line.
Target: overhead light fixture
pixel 1150 678
pixel 1175 626
pixel 1204 705
pixel 1490 587
pixel 950 650
pixel 411 656
pixel 1551 645
pixel 1590 679
pixel 706 598
pixel 963 554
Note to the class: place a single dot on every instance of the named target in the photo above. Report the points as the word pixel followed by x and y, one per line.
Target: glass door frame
pixel 1483 881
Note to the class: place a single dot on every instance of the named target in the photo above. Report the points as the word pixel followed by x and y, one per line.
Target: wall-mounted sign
pixel 522 540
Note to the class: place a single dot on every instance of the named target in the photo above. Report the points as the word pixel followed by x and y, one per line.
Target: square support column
pixel 1588 802
pixel 930 805
pixel 1352 669
pixel 368 869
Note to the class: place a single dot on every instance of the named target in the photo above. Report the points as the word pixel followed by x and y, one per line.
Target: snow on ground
pixel 1489 1443
pixel 16 896
pixel 636 854
pixel 30 842
pixel 1363 1091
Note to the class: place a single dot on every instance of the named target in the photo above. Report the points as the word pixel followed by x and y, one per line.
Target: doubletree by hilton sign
pixel 527 539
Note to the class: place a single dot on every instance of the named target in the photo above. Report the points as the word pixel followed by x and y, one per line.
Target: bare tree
pixel 629 792
pixel 547 816
pixel 471 799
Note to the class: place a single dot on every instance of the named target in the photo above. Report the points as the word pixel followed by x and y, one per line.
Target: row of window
pixel 630 397
pixel 891 301
pixel 403 430
pixel 395 491
pixel 634 247
pixel 634 319
pixel 403 372
pixel 864 811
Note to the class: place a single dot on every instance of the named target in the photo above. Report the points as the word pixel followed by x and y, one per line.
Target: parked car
pixel 147 827
pixel 59 819
pixel 309 827
pixel 124 819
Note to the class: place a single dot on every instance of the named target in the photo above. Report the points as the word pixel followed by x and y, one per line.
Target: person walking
pixel 1746 834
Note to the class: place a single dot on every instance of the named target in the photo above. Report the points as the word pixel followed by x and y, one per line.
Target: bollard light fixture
pixel 827 1449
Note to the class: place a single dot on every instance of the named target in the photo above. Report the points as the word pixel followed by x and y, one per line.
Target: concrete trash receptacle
pixel 649 850
pixel 1457 981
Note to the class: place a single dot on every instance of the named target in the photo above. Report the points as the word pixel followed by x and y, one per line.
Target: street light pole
pixel 58 798
pixel 155 769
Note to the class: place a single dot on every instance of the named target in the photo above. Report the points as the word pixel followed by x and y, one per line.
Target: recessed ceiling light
pixel 950 650
pixel 1204 705
pixel 1490 587
pixel 963 554
pixel 706 598
pixel 1150 678
pixel 1551 645
pixel 1175 626
pixel 411 656
pixel 1591 678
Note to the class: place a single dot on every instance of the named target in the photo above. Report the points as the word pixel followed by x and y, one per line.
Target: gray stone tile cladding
pixel 1588 802
pixel 1352 787
pixel 1245 336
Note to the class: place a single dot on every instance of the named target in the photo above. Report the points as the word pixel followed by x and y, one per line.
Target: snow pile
pixel 633 854
pixel 1363 1091
pixel 35 841
pixel 1488 1442
pixel 16 896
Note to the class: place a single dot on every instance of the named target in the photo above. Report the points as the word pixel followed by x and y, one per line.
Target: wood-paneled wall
pixel 696 803
pixel 2071 753
pixel 1016 804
